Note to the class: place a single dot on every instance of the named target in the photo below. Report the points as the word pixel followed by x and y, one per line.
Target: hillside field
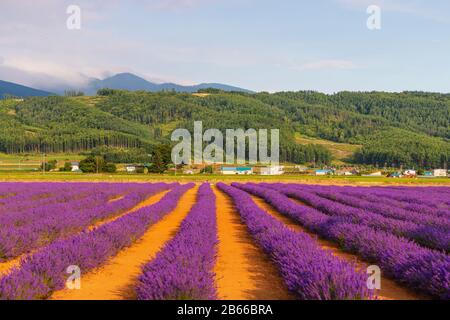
pixel 409 129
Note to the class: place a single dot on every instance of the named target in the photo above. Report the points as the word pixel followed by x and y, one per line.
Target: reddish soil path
pixel 117 278
pixel 148 202
pixel 5 267
pixel 390 290
pixel 243 271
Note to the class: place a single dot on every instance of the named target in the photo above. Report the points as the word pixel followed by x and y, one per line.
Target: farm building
pixel 395 175
pixel 373 174
pixel 344 173
pixel 272 171
pixel 236 170
pixel 410 173
pixel 75 166
pixel 323 172
pixel 440 173
pixel 130 168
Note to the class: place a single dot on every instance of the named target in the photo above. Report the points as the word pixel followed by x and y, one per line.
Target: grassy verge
pixel 123 177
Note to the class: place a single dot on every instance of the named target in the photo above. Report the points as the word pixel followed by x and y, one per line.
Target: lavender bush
pixel 45 271
pixel 183 269
pixel 435 237
pixel 309 271
pixel 21 232
pixel 421 269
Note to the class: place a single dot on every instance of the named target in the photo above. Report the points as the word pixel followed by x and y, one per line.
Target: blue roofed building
pixel 236 170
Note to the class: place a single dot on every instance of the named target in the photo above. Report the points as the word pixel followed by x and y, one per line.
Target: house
pixel 395 175
pixel 75 166
pixel 236 170
pixel 410 173
pixel 440 173
pixel 374 174
pixel 428 174
pixel 130 168
pixel 324 172
pixel 344 173
pixel 272 171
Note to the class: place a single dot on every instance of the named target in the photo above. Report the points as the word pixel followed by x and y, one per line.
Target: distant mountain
pixel 9 88
pixel 129 81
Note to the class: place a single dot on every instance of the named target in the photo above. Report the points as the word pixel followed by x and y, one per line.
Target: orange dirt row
pixel 116 279
pixel 5 267
pixel 390 290
pixel 243 271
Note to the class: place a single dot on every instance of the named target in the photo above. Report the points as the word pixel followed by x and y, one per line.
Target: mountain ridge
pixel 132 82
pixel 21 91
pixel 120 81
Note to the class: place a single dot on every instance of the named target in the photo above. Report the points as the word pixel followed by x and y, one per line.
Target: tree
pixel 97 164
pixel 110 168
pixel 50 165
pixel 88 165
pixel 161 157
pixel 207 170
pixel 73 93
pixel 67 167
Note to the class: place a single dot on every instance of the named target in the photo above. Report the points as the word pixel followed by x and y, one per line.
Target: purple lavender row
pixel 91 198
pixel 428 236
pixel 420 202
pixel 49 225
pixel 20 193
pixel 37 195
pixel 414 199
pixel 419 268
pixel 183 269
pixel 309 271
pixel 440 189
pixel 36 210
pixel 443 192
pixel 45 271
pixel 420 197
pixel 439 211
pixel 379 207
pixel 20 196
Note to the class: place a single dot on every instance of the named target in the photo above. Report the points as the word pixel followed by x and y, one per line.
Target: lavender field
pixel 161 241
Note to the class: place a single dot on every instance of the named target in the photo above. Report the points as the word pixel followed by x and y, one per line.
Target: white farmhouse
pixel 130 168
pixel 272 171
pixel 410 173
pixel 74 166
pixel 236 170
pixel 440 173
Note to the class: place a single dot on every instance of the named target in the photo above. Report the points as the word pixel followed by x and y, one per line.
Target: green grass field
pixel 340 151
pixel 124 177
pixel 32 162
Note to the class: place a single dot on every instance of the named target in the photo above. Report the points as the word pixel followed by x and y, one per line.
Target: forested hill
pixel 410 129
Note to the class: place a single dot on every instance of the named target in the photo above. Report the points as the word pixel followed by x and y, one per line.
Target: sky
pixel 261 45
